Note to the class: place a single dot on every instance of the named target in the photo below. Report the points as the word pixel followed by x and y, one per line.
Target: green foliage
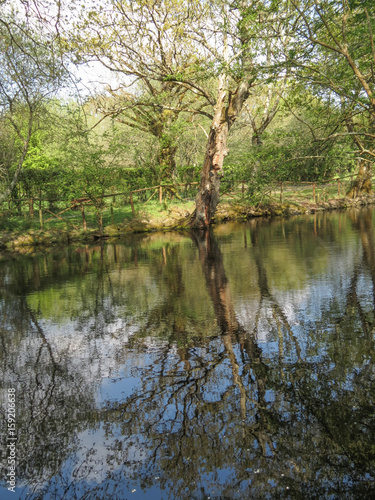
pixel 296 146
pixel 166 92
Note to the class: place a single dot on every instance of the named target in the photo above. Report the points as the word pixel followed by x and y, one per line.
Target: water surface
pixel 236 364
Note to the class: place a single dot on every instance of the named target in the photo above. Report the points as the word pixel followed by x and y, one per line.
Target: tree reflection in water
pixel 198 401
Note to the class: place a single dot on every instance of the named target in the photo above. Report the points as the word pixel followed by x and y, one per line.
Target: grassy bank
pixel 23 235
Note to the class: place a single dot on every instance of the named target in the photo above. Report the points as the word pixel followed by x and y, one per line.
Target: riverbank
pixel 172 218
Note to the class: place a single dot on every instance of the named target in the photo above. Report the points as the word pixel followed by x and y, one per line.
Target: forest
pixel 117 96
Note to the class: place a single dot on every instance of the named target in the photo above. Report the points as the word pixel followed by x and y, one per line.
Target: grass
pixel 121 213
pixel 293 193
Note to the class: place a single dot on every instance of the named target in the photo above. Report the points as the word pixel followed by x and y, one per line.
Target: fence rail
pixel 309 192
pixel 279 192
pixel 164 191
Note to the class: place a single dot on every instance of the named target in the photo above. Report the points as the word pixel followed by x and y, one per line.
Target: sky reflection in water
pixel 237 364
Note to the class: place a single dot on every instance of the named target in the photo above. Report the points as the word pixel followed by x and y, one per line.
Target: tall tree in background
pixel 150 47
pixel 31 72
pixel 157 110
pixel 334 53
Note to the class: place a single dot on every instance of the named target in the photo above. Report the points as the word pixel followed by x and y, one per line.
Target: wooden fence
pixel 163 190
pixel 172 188
pixel 279 192
pixel 312 192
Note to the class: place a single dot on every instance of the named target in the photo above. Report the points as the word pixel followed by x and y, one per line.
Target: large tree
pixel 334 53
pixel 248 55
pixel 189 57
pixel 148 47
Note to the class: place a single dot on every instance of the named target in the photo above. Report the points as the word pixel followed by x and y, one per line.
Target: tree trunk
pixel 31 208
pixel 26 141
pixel 99 217
pixel 167 159
pixel 256 140
pixel 208 195
pixel 84 223
pixel 363 183
pixel 40 209
pixel 225 115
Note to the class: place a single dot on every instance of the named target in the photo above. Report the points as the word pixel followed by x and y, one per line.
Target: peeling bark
pixel 227 110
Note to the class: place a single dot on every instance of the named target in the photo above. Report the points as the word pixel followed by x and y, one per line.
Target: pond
pixel 228 365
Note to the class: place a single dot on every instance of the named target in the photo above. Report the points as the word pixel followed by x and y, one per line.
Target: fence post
pixel 40 210
pixel 338 187
pixel 83 218
pixel 112 217
pixel 132 203
pixel 99 217
pixel 160 195
pixel 314 192
pixel 31 207
pixel 281 191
